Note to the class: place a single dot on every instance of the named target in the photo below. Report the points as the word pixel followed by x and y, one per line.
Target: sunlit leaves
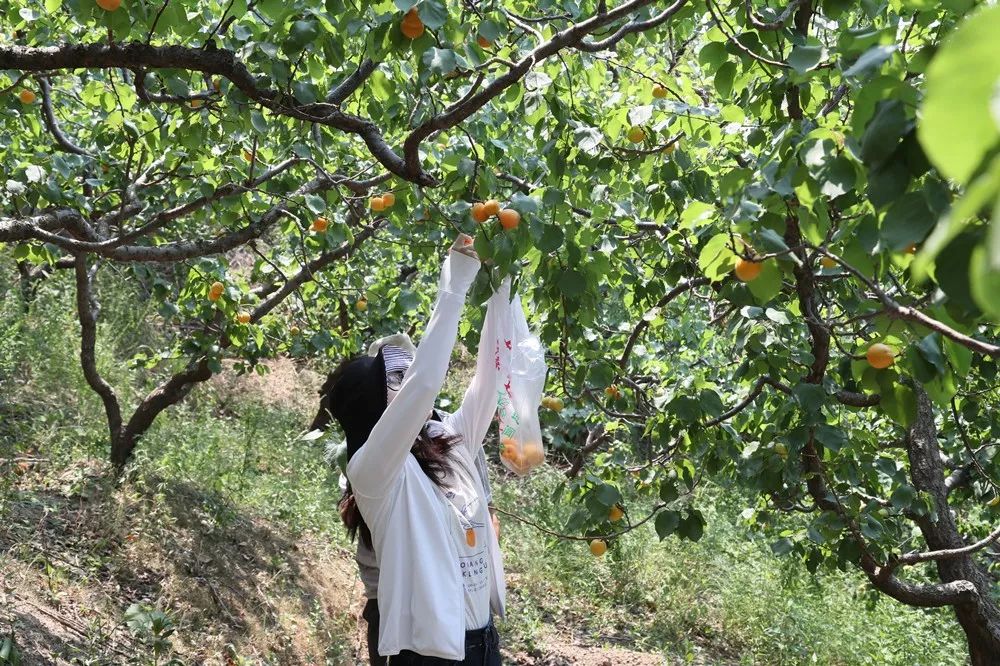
pixel 957 127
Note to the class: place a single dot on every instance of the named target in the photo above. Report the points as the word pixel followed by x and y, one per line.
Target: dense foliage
pixel 723 207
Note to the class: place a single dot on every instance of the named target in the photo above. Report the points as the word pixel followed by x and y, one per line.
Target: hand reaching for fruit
pixel 463 244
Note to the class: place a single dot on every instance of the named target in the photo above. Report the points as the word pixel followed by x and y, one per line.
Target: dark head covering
pixel 355 395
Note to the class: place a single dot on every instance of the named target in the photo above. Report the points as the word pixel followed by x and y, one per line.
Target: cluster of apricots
pixel 521 458
pixel 484 210
pixel 381 202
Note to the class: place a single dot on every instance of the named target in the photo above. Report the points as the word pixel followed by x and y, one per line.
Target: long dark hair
pixel 431 451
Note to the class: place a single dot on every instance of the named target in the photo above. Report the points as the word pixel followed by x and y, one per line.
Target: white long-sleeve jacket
pixel 420 592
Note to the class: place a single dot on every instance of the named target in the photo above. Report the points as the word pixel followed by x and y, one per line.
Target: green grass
pixel 726 595
pixel 725 599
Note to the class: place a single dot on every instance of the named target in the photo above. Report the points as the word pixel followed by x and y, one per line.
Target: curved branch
pixel 182 249
pixel 220 62
pixel 745 402
pixel 949 553
pixel 570 37
pixel 852 399
pixel 51 123
pixel 776 24
pixel 631 28
pixel 14 229
pixel 352 82
pixel 87 311
pixel 595 438
pixel 644 324
pixel 898 310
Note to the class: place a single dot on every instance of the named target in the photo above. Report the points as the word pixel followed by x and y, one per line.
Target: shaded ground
pixel 76 553
pixel 73 562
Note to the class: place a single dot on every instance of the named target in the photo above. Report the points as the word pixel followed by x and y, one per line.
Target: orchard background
pixel 760 242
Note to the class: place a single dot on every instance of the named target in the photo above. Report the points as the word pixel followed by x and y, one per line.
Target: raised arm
pixel 472 419
pixel 379 462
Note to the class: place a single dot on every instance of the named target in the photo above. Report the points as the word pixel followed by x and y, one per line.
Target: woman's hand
pixel 463 244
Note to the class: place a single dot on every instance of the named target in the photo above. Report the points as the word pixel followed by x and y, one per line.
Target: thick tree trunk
pixel 980 615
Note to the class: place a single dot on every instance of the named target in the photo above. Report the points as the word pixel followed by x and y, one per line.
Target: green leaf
pixel 724 78
pixel 902 497
pixel 831 437
pixel 985 283
pixel 809 396
pixel 898 401
pixel 258 122
pixel 693 526
pixel 572 283
pixel 871 59
pixel 441 61
pixel 907 221
pixel 716 259
pixel 433 13
pixel 607 495
pixel 667 523
pixel 803 58
pixel 315 203
pixel 957 129
pixel 768 283
pixel 782 547
pixel 884 131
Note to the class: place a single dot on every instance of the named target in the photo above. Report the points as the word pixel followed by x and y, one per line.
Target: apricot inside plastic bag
pixel 519 393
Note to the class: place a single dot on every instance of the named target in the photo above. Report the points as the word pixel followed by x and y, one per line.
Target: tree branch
pixel 895 309
pixel 86 307
pixel 644 323
pixel 595 438
pixel 569 37
pixel 51 123
pixel 776 24
pixel 631 28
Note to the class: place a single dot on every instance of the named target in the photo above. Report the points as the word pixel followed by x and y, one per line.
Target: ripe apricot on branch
pixel 320 224
pixel 636 135
pixel 215 291
pixel 388 199
pixel 479 213
pixel 492 207
pixel 615 514
pixel 613 392
pixel 484 43
pixel 747 270
pixel 880 356
pixel 827 262
pixel 26 96
pixel 243 317
pixel 412 27
pixel 555 404
pixel 109 5
pixel 377 204
pixel 598 547
pixel 509 218
pixel 659 91
pixel 361 305
pixel 196 103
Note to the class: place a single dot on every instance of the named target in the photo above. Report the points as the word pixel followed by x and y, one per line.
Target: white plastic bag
pixel 519 393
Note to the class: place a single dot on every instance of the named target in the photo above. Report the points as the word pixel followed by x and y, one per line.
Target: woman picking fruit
pixel 413 490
